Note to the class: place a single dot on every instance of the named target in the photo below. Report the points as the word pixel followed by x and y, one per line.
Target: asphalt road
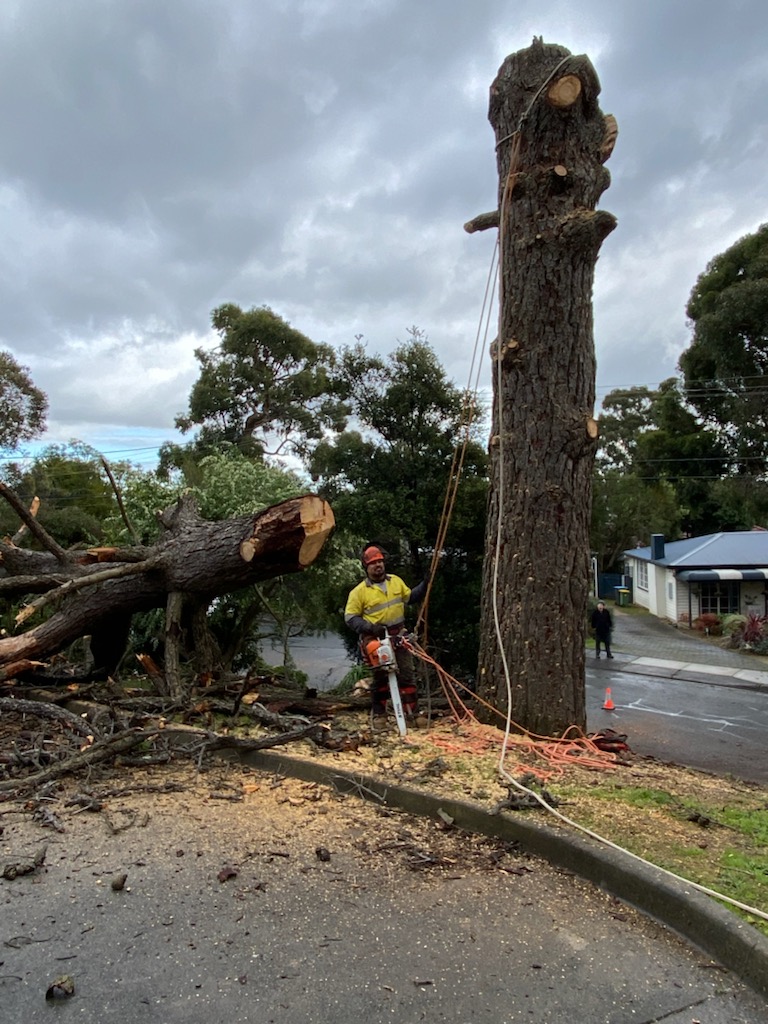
pixel 283 937
pixel 716 727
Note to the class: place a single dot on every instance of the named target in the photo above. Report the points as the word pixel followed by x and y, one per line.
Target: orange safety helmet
pixel 372 553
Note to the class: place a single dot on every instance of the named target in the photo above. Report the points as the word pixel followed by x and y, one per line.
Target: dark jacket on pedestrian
pixel 602 623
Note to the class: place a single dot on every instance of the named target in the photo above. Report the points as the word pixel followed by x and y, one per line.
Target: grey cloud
pixel 321 157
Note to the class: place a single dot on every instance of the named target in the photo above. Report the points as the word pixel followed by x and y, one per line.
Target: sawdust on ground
pixel 675 823
pixel 666 813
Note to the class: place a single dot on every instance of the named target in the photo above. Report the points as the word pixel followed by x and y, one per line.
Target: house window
pixel 722 598
pixel 642 575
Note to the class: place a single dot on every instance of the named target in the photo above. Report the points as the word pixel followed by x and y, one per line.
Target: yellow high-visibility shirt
pixel 382 604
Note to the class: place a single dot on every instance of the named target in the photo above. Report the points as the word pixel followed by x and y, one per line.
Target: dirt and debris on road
pixel 655 809
pixel 173 893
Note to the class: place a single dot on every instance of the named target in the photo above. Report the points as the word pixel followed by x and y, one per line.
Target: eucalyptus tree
pixel 726 365
pixel 265 389
pixel 24 405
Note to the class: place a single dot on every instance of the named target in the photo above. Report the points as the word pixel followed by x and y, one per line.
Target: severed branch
pixel 42 709
pixel 101 751
pixel 119 498
pixel 215 741
pixel 33 510
pixel 33 526
pixel 85 581
pixel 482 222
pixel 32 584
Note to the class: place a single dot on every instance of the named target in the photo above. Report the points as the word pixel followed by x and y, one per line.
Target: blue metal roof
pixel 739 549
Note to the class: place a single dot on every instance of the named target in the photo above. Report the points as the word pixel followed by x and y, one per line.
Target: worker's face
pixel 376 571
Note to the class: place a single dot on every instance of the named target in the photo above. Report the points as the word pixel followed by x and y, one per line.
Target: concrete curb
pixel 706 924
pixel 690 671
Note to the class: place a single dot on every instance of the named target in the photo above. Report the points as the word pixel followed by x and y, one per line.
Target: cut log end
pixel 609 138
pixel 250 548
pixel 564 92
pixel 592 428
pixel 318 521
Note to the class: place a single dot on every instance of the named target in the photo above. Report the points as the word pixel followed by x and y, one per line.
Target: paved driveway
pixel 642 635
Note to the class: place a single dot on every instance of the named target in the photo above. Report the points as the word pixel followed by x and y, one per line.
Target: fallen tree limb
pixel 89 580
pixel 194 557
pixel 31 523
pixel 52 712
pixel 101 751
pixel 34 508
pixel 215 741
pixel 31 584
pixel 119 499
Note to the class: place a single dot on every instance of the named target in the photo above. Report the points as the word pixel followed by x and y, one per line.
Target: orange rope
pixel 573 748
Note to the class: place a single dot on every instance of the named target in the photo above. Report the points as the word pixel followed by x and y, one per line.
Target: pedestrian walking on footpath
pixel 602 623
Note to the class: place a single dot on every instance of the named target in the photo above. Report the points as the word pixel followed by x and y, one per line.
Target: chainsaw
pixel 382 655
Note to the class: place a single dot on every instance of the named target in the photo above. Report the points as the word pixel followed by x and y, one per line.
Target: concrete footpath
pixel 666 668
pixel 646 646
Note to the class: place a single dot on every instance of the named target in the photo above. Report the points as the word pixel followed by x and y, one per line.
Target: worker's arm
pixel 363 627
pixel 419 591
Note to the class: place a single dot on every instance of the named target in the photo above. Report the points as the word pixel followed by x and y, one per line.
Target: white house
pixel 720 573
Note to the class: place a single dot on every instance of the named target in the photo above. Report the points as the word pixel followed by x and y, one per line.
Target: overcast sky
pixel 160 157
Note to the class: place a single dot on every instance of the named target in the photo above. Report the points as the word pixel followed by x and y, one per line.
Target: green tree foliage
pixel 387 479
pixel 266 389
pixel 743 500
pixel 657 469
pixel 679 449
pixel 626 510
pixel 75 496
pixel 24 406
pixel 626 414
pixel 726 365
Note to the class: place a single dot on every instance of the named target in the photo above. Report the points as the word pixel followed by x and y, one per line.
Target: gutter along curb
pixel 702 921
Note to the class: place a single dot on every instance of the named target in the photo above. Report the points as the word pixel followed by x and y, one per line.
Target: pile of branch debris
pixel 46 735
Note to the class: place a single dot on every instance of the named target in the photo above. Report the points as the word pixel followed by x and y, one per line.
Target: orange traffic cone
pixel 608 704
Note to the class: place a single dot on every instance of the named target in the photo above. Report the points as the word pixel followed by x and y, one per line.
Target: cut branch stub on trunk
pixel 194 557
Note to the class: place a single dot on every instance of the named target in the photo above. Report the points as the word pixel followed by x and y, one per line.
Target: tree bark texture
pixel 195 557
pixel 550 136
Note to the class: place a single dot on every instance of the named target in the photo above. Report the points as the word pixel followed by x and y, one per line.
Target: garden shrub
pixel 709 623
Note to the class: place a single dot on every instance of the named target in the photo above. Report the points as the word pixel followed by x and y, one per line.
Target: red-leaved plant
pixel 754 628
pixel 708 623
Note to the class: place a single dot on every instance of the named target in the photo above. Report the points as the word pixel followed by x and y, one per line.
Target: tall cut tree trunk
pixel 552 140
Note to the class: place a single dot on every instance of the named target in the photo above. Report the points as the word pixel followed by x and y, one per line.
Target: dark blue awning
pixel 716 575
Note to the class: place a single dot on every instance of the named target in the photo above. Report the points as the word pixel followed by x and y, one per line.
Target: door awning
pixel 715 575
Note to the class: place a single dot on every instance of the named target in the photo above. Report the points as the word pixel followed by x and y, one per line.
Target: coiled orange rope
pixel 573 748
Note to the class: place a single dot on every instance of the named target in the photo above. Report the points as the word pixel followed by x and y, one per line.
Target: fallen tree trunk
pixel 194 557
